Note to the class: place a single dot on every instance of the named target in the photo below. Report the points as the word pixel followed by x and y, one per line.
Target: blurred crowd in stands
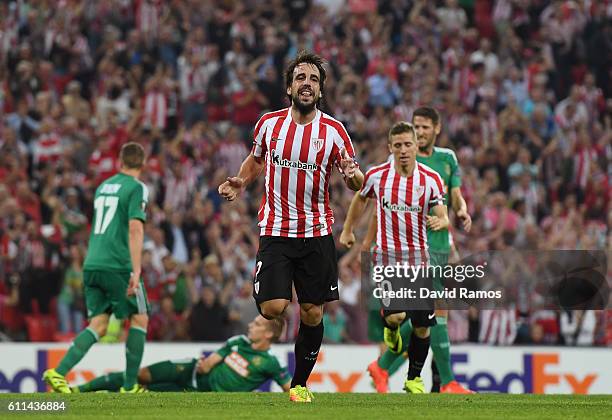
pixel 523 87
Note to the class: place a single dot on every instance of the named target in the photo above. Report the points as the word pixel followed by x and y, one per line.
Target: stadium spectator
pixel 166 325
pixel 42 269
pixel 210 318
pixel 334 321
pixel 71 302
pixel 242 307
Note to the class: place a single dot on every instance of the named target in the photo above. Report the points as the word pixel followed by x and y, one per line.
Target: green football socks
pixel 79 348
pixel 390 361
pixel 440 346
pixel 134 348
pixel 110 382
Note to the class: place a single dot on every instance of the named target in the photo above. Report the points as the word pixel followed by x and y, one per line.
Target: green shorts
pixel 438 258
pixel 105 293
pixel 177 376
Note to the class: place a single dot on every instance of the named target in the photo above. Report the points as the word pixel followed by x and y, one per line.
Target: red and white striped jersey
pixel 584 158
pixel 402 202
pixel 148 15
pixel 299 161
pixel 48 148
pixel 497 326
pixel 155 109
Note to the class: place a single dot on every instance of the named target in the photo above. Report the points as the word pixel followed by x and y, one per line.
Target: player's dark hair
pixel 276 326
pixel 309 58
pixel 427 112
pixel 401 128
pixel 132 155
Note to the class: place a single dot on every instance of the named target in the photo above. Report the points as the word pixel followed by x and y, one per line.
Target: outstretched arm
pixel 249 170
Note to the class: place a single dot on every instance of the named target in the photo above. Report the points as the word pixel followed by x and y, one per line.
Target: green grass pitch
pixel 185 406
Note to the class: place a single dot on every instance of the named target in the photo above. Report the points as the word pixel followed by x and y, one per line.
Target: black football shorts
pixel 309 263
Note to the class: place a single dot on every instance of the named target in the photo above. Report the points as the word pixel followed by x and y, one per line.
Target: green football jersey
pixel 244 368
pixel 444 162
pixel 118 199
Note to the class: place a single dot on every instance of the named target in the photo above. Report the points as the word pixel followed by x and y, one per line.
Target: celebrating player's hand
pixel 466 219
pixel 134 284
pixel 347 238
pixel 435 223
pixel 231 188
pixel 347 164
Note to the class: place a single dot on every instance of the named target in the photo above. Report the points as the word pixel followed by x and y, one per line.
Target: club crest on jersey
pixel 420 191
pixel 317 144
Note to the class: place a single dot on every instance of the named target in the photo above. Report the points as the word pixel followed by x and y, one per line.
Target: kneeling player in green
pixel 112 270
pixel 242 364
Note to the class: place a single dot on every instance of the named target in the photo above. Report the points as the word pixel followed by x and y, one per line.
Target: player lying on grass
pixel 242 364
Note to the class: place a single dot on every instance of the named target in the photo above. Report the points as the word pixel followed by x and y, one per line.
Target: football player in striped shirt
pixel 405 192
pixel 297 147
pixel 427 124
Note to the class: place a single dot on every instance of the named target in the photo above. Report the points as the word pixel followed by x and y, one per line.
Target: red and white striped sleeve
pixel 342 140
pixel 259 145
pixel 371 178
pixel 369 181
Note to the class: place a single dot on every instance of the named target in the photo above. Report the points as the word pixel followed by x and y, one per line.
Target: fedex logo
pixel 44 359
pixel 533 377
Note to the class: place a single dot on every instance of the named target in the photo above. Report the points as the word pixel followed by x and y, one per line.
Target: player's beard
pixel 303 108
pixel 427 145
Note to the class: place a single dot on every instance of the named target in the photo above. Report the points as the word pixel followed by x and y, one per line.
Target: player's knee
pixel 100 329
pixel 99 325
pixel 272 309
pixel 139 320
pixel 421 332
pixel 311 315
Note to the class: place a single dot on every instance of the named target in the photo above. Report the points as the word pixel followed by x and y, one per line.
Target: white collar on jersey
pixel 415 172
pixel 314 120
